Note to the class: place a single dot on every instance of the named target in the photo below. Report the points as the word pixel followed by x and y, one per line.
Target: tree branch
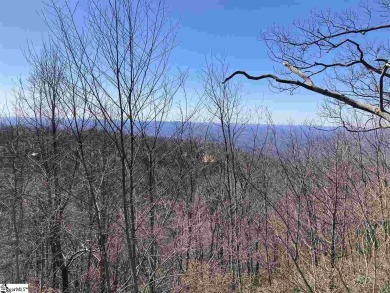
pixel 383 74
pixel 332 94
pixel 322 37
pixel 296 71
pixel 75 255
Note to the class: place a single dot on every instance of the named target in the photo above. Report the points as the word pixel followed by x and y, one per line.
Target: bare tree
pixel 225 108
pixel 121 55
pixel 40 99
pixel 14 181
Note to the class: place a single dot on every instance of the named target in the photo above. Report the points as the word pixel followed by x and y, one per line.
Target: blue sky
pixel 228 27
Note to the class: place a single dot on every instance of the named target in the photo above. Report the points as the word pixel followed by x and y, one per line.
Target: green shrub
pixel 362 279
pixel 386 289
pixel 386 227
pixel 370 239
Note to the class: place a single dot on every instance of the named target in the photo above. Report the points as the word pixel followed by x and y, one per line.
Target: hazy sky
pixel 229 27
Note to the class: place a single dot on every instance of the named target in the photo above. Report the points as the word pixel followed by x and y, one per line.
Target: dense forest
pixel 96 195
pixel 207 217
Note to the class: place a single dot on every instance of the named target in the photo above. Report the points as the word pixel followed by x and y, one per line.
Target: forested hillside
pixel 207 217
pixel 99 192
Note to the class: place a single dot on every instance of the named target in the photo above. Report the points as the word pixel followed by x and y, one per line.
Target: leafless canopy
pixel 342 56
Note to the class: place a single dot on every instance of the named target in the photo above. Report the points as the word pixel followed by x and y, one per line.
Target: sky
pixel 227 27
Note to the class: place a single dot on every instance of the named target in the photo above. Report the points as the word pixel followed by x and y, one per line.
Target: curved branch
pixel 361 57
pixel 75 255
pixel 329 93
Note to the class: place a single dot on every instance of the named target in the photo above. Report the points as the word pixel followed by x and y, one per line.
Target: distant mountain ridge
pixel 245 136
